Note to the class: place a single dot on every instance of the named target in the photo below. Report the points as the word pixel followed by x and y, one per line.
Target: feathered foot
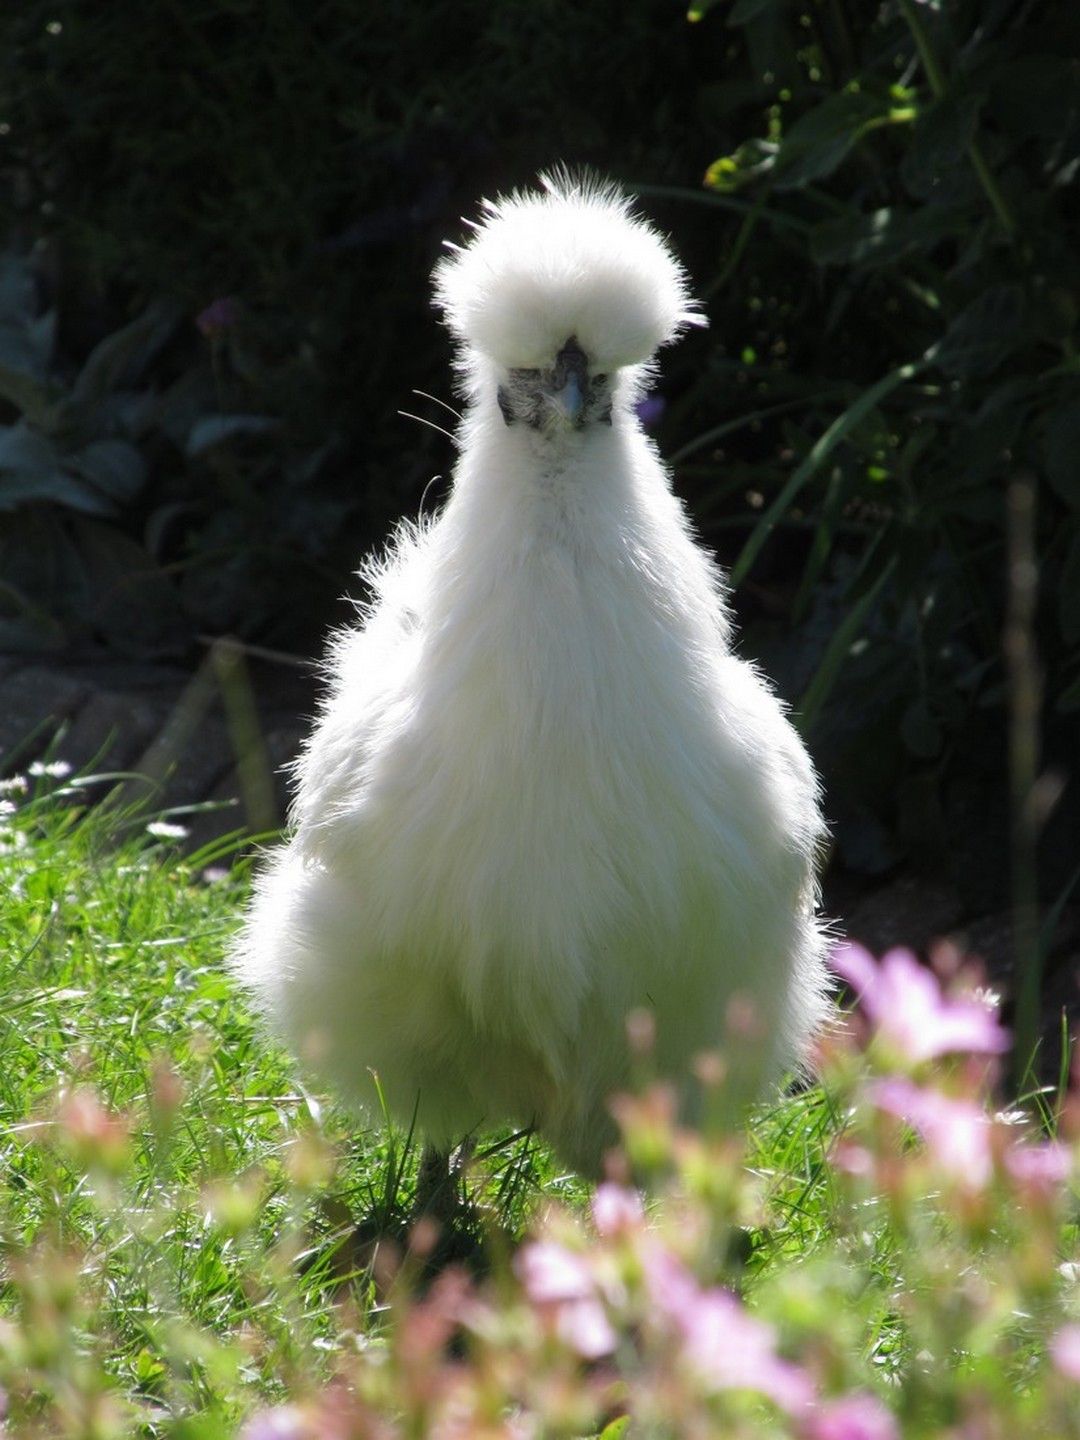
pixel 442 1212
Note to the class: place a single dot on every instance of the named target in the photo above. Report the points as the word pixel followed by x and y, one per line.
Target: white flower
pixel 54 769
pixel 165 830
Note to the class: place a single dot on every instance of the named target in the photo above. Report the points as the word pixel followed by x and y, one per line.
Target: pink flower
pixel 97 1136
pixel 855 1417
pixel 731 1350
pixel 1043 1166
pixel 905 1004
pixel 616 1210
pixel 727 1347
pixel 1065 1351
pixel 585 1327
pixel 551 1273
pixel 957 1132
pixel 852 1158
pixel 284 1422
pixel 559 1283
pixel 670 1286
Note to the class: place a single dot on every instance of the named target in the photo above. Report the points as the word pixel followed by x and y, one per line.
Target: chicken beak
pixel 569 400
pixel 569 382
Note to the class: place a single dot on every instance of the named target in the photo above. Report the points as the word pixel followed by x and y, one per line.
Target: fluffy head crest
pixel 570 260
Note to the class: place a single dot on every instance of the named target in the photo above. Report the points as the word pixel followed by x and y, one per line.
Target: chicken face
pixel 565 395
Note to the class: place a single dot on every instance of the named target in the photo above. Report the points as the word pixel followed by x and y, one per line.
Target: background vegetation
pixel 215 304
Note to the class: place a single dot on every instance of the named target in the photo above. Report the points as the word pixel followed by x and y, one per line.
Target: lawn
pixel 194 1245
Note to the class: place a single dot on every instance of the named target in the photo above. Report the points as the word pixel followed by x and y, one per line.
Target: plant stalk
pixel 1025 699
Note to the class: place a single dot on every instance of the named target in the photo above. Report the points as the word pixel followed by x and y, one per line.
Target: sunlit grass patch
pixel 194 1245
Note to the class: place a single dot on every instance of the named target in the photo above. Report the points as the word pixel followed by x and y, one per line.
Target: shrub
pixel 895 317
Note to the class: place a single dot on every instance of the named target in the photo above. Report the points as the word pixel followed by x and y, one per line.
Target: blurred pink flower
pixel 284 1422
pixel 1065 1351
pixel 852 1158
pixel 727 1347
pixel 670 1286
pixel 559 1283
pixel 585 1327
pixel 551 1273
pixel 907 1008
pixel 855 1417
pixel 1043 1166
pixel 97 1136
pixel 616 1209
pixel 957 1132
pixel 733 1351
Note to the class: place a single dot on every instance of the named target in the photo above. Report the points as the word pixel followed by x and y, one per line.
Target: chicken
pixel 542 792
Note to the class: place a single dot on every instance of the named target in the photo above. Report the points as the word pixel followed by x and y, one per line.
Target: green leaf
pixel 148 1367
pixel 822 138
pixel 1061 450
pixel 935 165
pixel 25 451
pixel 122 353
pixel 616 1429
pixel 883 236
pixel 29 394
pixel 114 466
pixel 840 428
pixel 845 635
pixel 984 440
pixel 744 10
pixel 128 598
pixel 213 430
pixel 53 487
pixel 985 333
pixel 752 160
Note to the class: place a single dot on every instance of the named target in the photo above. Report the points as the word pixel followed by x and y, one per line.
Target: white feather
pixel 542 791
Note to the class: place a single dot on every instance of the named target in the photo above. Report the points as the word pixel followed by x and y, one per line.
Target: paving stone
pixel 183 762
pixel 110 731
pixel 908 911
pixel 281 743
pixel 990 940
pixel 33 702
pixel 108 673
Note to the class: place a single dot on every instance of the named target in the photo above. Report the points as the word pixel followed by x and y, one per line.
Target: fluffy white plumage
pixel 542 791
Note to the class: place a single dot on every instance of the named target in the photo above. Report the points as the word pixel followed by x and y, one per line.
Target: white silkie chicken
pixel 542 792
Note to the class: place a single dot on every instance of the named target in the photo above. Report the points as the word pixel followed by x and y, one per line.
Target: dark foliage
pixel 252 195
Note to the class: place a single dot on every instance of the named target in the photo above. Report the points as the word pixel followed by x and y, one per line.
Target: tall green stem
pixel 936 77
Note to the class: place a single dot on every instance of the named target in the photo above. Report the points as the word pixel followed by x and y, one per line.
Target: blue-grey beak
pixel 570 381
pixel 570 399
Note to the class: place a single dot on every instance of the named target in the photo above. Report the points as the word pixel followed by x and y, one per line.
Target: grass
pixel 189 1236
pixel 155 1144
